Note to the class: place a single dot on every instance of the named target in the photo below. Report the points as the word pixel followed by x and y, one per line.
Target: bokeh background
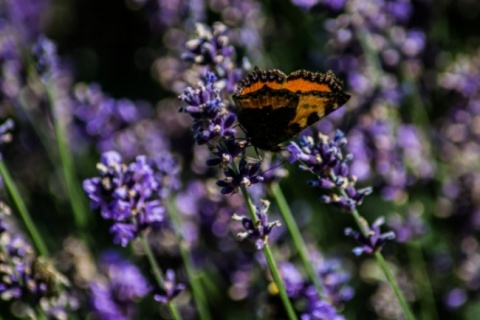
pixel 412 123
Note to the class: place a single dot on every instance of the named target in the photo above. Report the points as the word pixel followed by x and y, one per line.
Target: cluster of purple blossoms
pixel 11 80
pixel 212 120
pixel 115 124
pixel 459 146
pixel 382 59
pixel 257 231
pixel 27 278
pixel 379 25
pixel 211 48
pixel 118 288
pixel 334 280
pixel 26 16
pixel 213 126
pixel 126 194
pixel 374 241
pixel 409 226
pixel 386 147
pixel 336 291
pixel 459 134
pixel 325 158
pixel 47 62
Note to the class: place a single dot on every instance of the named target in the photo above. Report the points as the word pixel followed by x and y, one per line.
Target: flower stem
pixel 365 230
pixel 393 283
pixel 80 213
pixel 422 281
pixel 158 274
pixel 192 273
pixel 22 210
pixel 270 260
pixel 296 236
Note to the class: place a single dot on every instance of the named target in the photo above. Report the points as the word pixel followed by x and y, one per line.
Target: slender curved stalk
pixel 364 229
pixel 80 213
pixel 296 236
pixel 193 274
pixel 22 210
pixel 270 260
pixel 422 281
pixel 157 273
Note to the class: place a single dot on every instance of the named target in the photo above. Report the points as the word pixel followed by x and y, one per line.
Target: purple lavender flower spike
pixel 212 121
pixel 115 293
pixel 171 288
pixel 213 125
pixel 375 240
pixel 130 196
pixel 409 226
pixel 5 134
pixel 325 158
pixel 334 281
pixel 45 55
pixel 248 174
pixel 211 48
pixel 30 279
pixel 257 231
pixel 312 307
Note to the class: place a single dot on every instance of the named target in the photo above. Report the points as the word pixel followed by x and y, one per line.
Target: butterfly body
pixel 273 107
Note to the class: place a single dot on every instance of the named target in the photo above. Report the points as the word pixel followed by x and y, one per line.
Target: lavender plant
pixel 86 80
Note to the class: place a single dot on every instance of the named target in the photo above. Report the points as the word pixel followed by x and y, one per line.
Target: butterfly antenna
pixel 303 163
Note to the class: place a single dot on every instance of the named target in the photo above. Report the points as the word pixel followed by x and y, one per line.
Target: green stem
pixel 296 236
pixel 192 273
pixel 362 224
pixel 76 198
pixel 422 281
pixel 270 260
pixel 393 283
pixel 22 210
pixel 157 273
pixel 365 230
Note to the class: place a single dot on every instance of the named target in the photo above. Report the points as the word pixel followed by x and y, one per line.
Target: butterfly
pixel 273 107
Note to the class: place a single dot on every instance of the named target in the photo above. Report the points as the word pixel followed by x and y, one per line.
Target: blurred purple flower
pixel 30 279
pixel 128 195
pixel 171 288
pixel 117 290
pixel 260 230
pixel 11 69
pixel 375 240
pixel 211 48
pixel 26 16
pixel 305 4
pixel 112 124
pixel 325 158
pixel 385 147
pixel 310 306
pixel 5 134
pixel 334 280
pixel 455 298
pixel 46 59
pixel 409 226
